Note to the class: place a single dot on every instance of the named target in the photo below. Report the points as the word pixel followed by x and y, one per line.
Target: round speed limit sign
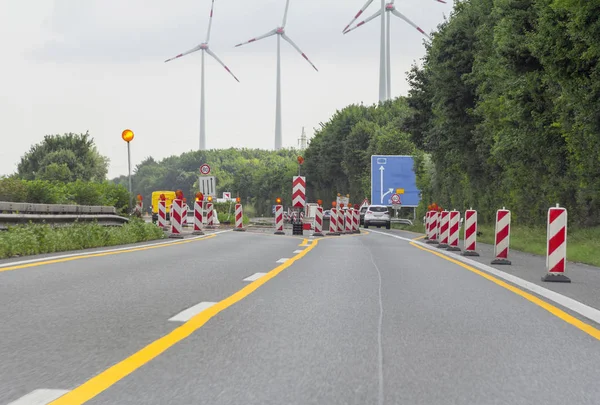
pixel 205 169
pixel 395 199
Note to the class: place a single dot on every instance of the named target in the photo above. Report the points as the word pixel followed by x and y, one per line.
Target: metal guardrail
pixel 59 214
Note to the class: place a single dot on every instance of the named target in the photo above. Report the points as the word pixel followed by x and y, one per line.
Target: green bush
pixel 34 239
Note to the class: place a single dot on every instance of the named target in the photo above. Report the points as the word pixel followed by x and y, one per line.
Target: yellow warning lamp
pixel 127 135
pixel 210 198
pixel 278 201
pixel 348 195
pixel 199 196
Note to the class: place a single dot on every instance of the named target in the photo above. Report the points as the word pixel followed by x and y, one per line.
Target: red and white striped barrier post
pixel 198 218
pixel 433 227
pixel 239 218
pixel 444 229
pixel 341 224
pixel 279 220
pixel 184 216
pixel 333 230
pixel 348 221
pixel 162 214
pixel 453 232
pixel 556 246
pixel 176 227
pixel 470 233
pixel 427 217
pixel 210 216
pixel 318 222
pixel 502 236
pixel 356 221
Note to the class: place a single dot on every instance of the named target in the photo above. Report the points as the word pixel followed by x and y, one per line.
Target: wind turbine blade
pixel 211 53
pixel 287 6
pixel 194 49
pixel 402 16
pixel 268 34
pixel 367 4
pixel 212 6
pixel 377 14
pixel 298 49
pixel 441 1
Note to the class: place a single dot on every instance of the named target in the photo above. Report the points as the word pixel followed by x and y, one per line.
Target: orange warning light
pixel 300 160
pixel 179 194
pixel 320 202
pixel 238 200
pixel 139 197
pixel 278 200
pixel 210 198
pixel 333 204
pixel 199 196
pixel 342 205
pixel 162 197
pixel 127 135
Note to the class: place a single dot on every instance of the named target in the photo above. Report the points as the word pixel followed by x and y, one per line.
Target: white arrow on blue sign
pixel 390 172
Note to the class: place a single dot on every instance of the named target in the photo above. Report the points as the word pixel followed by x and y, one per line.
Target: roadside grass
pixel 583 244
pixel 35 239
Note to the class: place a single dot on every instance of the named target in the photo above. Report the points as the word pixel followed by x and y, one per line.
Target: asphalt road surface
pixel 357 319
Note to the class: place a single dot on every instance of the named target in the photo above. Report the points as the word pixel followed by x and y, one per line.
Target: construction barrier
pixel 239 218
pixel 444 228
pixel 198 218
pixel 176 227
pixel 356 221
pixel 318 222
pixel 470 233
pixel 162 214
pixel 502 237
pixel 433 227
pixel 348 221
pixel 184 216
pixel 427 219
pixel 210 216
pixel 333 230
pixel 453 232
pixel 556 245
pixel 279 220
pixel 341 223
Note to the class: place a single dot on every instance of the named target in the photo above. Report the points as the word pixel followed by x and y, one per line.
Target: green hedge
pixel 78 192
pixel 33 239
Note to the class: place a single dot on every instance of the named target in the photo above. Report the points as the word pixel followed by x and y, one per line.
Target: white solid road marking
pixel 43 259
pixel 189 313
pixel 254 277
pixel 298 251
pixel 573 305
pixel 284 259
pixel 39 397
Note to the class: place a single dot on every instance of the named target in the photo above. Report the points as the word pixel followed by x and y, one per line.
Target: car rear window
pixel 378 209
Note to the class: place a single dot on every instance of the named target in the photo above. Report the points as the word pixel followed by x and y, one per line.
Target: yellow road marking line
pixel 420 237
pixel 112 375
pixel 86 256
pixel 304 242
pixel 589 329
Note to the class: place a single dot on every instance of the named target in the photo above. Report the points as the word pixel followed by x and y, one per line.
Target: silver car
pixel 377 215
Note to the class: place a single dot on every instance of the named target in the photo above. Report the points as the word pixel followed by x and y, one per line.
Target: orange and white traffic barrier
pixel 341 223
pixel 198 218
pixel 433 227
pixel 348 221
pixel 470 233
pixel 239 218
pixel 210 216
pixel 502 237
pixel 556 245
pixel 444 229
pixel 333 229
pixel 318 222
pixel 279 220
pixel 355 221
pixel 162 214
pixel 453 231
pixel 176 227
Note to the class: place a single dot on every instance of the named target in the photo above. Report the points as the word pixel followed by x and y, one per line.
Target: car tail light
pixel 369 212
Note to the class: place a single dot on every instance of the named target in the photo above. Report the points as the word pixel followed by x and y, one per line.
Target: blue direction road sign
pixel 389 173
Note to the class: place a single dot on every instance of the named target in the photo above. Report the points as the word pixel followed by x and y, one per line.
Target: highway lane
pixel 361 319
pixel 62 323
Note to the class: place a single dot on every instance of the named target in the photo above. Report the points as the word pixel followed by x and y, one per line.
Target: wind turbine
pixel 205 49
pixel 385 11
pixel 280 32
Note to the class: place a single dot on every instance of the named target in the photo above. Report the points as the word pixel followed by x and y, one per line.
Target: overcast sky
pixel 98 65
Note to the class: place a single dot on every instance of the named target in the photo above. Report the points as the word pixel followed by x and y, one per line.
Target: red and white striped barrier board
pixel 279 220
pixel 427 217
pixel 502 232
pixel 433 227
pixel 299 192
pixel 176 211
pixel 333 229
pixel 356 221
pixel 470 233
pixel 556 247
pixel 184 216
pixel 318 222
pixel 341 221
pixel 444 229
pixel 197 219
pixel 162 214
pixel 348 221
pixel 453 231
pixel 301 216
pixel 294 216
pixel 210 216
pixel 239 218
